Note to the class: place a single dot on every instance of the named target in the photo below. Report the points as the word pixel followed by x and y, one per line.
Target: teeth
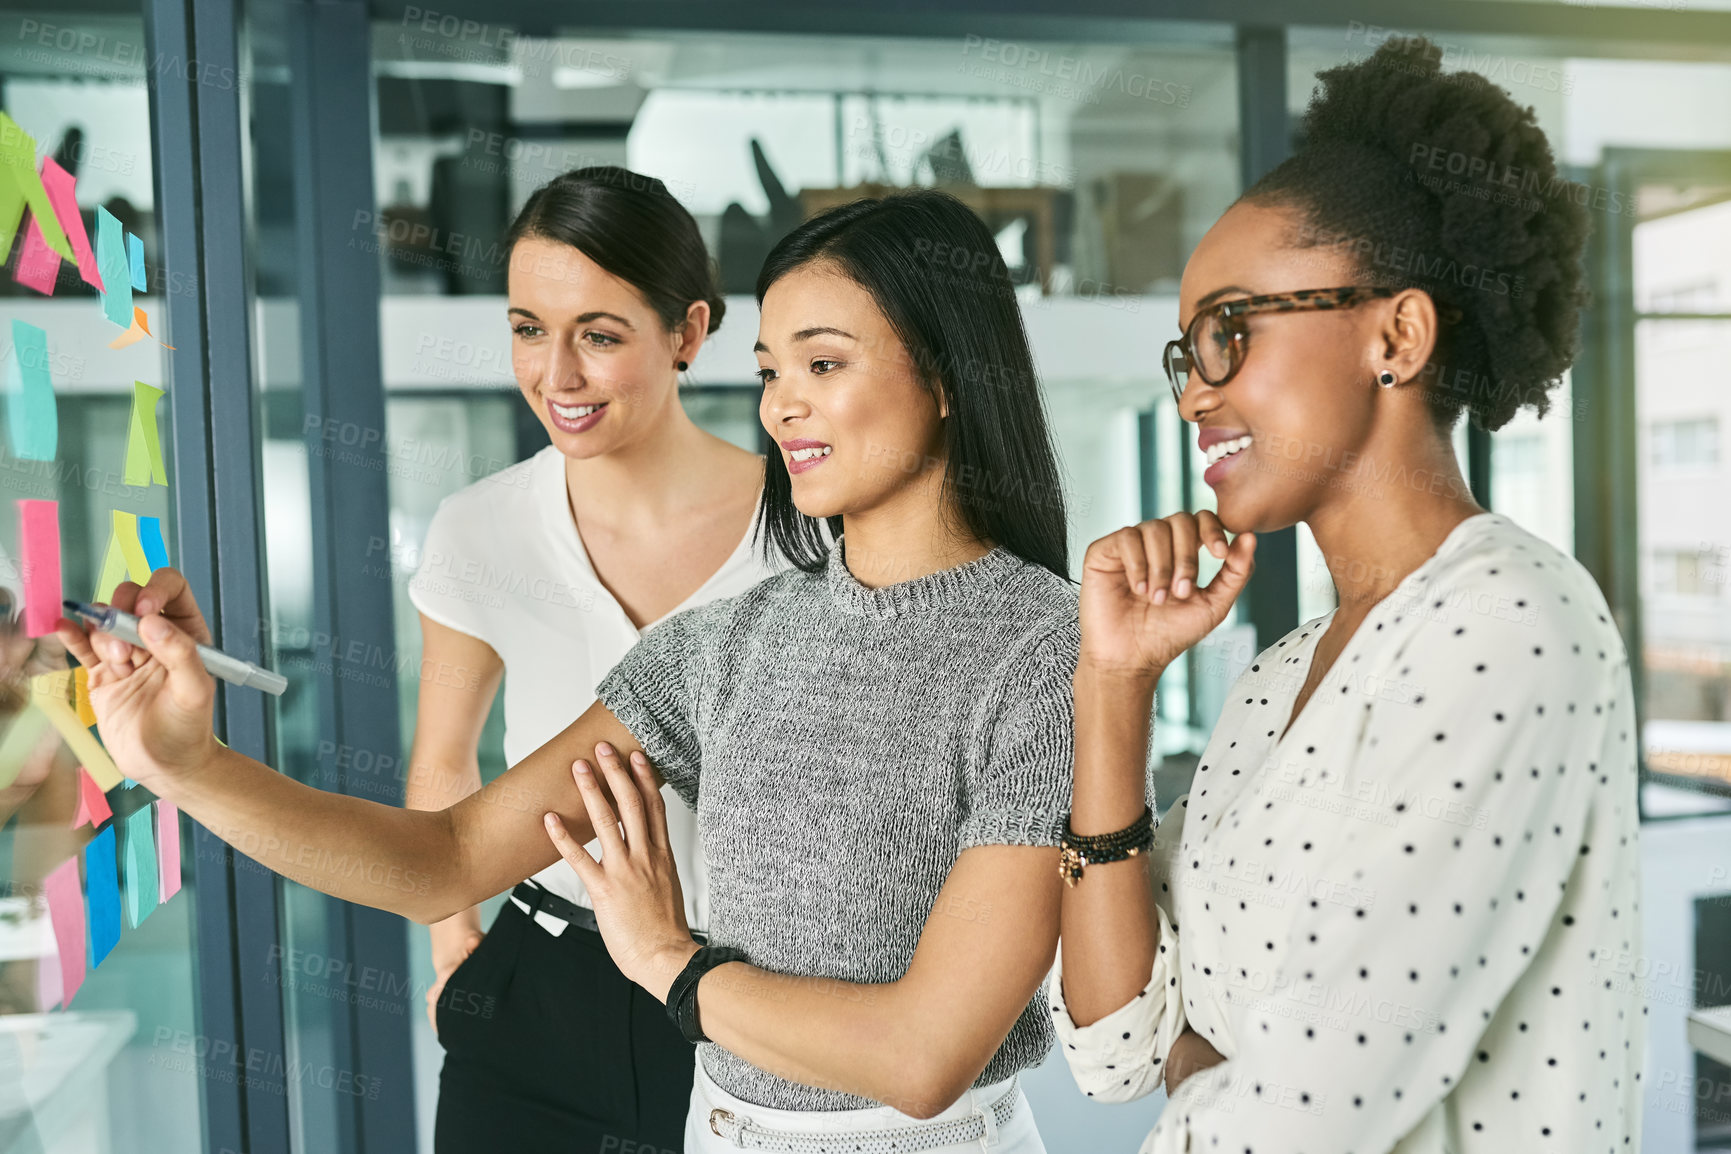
pixel 572 412
pixel 1220 450
pixel 808 454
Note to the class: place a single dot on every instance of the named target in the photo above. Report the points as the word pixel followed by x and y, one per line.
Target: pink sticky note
pixel 61 188
pixel 92 802
pixel 38 265
pixel 167 849
pixel 39 527
pixel 66 910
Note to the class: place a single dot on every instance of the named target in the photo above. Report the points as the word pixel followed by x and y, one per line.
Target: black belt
pixel 546 901
pixel 542 900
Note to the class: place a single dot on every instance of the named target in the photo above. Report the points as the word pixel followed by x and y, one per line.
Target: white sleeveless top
pixel 503 563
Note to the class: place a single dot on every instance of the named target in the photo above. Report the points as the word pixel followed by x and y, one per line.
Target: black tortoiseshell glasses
pixel 1218 340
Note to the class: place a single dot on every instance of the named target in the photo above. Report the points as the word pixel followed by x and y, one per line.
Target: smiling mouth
pixel 809 454
pixel 1220 450
pixel 575 412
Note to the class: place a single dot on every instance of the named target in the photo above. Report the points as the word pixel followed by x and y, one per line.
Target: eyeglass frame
pixel 1299 300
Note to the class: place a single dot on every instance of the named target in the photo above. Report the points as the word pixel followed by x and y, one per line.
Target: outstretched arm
pixel 154 712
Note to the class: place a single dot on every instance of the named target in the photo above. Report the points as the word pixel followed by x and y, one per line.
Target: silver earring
pixel 1386 378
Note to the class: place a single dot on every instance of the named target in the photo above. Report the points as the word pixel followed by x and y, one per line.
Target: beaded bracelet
pixel 1079 851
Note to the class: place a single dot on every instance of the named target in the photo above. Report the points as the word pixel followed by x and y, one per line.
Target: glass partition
pixel 100 1049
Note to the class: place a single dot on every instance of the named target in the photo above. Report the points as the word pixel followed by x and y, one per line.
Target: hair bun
pixel 1442 182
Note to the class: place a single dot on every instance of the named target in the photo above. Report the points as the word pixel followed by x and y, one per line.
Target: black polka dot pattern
pixel 1403 913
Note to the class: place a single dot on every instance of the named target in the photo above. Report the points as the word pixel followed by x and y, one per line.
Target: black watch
pixel 682 995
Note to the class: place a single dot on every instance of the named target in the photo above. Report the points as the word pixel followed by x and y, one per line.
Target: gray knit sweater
pixel 842 745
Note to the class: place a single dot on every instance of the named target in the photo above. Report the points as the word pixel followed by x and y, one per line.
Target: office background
pixel 321 188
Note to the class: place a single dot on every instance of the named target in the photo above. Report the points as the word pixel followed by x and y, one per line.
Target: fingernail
pixel 1160 596
pixel 1182 589
pixel 637 757
pixel 581 767
pixel 550 820
pixel 154 629
pixel 144 607
pixel 603 747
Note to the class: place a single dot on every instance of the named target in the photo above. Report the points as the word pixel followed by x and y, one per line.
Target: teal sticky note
pixel 140 851
pixel 115 268
pixel 150 536
pixel 135 256
pixel 32 424
pixel 102 894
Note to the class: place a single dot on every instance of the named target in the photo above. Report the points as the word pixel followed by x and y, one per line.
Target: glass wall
pixel 99 1046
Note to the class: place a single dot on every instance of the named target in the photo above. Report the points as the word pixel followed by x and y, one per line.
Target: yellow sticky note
pixel 21 737
pixel 131 548
pixel 81 696
pixel 52 694
pixel 143 449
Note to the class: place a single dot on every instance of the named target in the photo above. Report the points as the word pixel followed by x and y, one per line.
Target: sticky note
pixel 61 188
pixel 167 848
pixel 102 894
pixel 38 265
pixel 142 891
pixel 66 912
pixel 92 803
pixel 143 449
pixel 150 536
pixel 115 267
pixel 135 259
pixel 81 697
pixel 131 548
pixel 141 327
pixel 52 694
pixel 32 423
pixel 39 551
pixel 113 570
pixel 20 185
pixel 18 746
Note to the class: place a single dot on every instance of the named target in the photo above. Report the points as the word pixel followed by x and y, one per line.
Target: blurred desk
pixel 1710 1033
pixel 54 1079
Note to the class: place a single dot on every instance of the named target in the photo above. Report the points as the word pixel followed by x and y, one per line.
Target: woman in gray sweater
pixel 877 743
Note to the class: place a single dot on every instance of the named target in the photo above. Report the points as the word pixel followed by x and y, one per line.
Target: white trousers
pixel 1018 1136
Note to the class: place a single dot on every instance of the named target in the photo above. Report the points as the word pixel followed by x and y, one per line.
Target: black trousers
pixel 549 1047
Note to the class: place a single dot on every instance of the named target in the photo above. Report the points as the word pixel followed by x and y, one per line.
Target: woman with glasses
pixel 1385 914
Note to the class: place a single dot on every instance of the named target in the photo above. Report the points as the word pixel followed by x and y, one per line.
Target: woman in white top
pixel 1384 916
pixel 545 574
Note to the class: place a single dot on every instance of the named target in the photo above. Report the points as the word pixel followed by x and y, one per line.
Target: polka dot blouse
pixel 1398 921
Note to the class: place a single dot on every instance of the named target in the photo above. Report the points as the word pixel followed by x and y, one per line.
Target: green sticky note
pixel 113 570
pixel 140 858
pixel 20 185
pixel 143 447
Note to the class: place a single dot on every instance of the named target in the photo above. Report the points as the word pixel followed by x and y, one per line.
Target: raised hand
pixel 639 906
pixel 1141 607
pixel 154 705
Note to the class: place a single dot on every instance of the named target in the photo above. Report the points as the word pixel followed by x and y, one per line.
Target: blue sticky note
pixel 150 536
pixel 102 894
pixel 32 424
pixel 135 255
pixel 115 268
pixel 140 850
